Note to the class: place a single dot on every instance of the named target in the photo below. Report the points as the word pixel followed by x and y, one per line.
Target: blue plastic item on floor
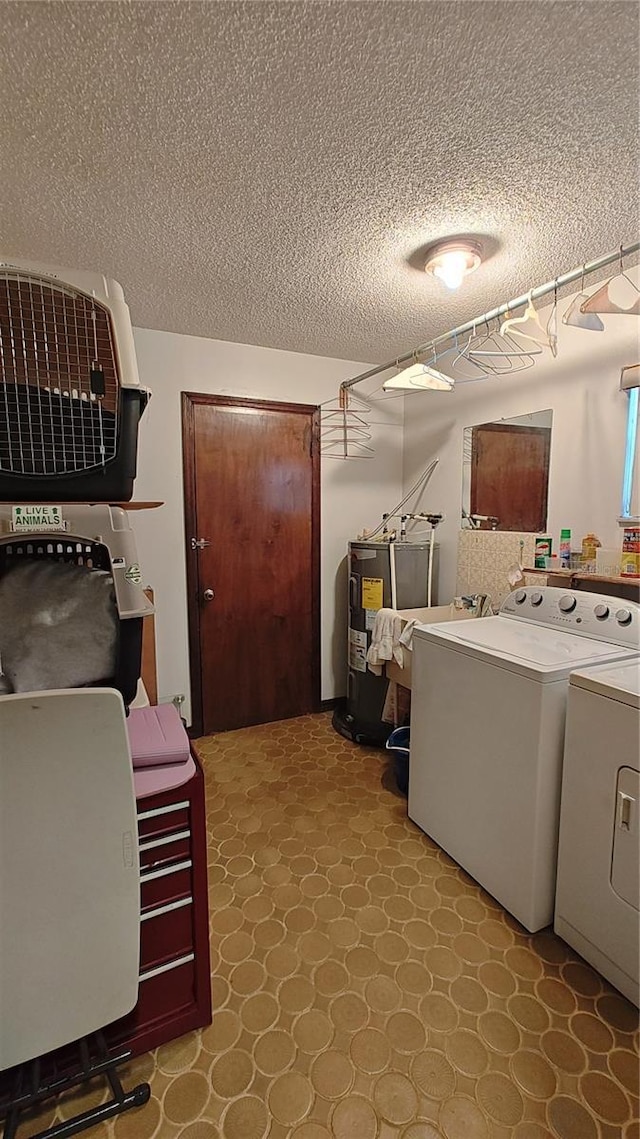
pixel 398 744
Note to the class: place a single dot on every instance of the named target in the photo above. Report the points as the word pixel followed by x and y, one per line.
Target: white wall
pixel 587 448
pixel 353 493
pixel 581 386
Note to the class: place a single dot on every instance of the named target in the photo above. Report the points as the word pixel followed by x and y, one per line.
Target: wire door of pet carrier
pixel 98 537
pixel 70 397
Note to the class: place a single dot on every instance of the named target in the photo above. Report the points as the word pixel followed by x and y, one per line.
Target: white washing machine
pixel 598 887
pixel 487 734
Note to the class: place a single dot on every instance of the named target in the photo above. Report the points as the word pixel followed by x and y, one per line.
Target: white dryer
pixel 487 734
pixel 598 888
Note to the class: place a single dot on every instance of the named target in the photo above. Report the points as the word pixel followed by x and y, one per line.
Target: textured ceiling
pixel 262 172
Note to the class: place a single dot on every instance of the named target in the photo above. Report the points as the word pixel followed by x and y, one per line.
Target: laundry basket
pixel 398 745
pixel 70 396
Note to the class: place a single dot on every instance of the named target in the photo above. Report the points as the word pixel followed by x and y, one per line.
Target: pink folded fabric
pixel 157 736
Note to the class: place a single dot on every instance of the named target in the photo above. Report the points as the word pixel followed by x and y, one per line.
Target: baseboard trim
pixel 329 705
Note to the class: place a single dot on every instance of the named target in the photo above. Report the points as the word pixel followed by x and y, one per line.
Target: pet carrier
pixel 97 537
pixel 70 396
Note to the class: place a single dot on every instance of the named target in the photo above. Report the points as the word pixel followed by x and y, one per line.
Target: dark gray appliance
pixel 381 574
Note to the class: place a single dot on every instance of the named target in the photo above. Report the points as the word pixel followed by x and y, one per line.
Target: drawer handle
pixel 164 841
pixel 170 906
pixel 163 810
pixel 164 870
pixel 166 968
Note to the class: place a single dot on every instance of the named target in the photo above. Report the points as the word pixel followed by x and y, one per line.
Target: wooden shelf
pixel 579 575
pixel 623 587
pixel 124 505
pixel 621 579
pixel 551 572
pixel 130 505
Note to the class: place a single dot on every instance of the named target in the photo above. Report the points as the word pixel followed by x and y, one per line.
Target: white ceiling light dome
pixel 451 261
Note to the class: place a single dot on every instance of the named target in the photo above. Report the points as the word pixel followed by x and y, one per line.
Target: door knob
pixel 208 595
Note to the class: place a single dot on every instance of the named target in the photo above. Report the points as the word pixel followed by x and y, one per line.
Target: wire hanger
pixel 396 381
pixel 537 333
pixel 498 353
pixel 465 369
pixel 331 414
pixel 513 349
pixel 421 375
pixel 552 323
pixel 601 301
pixel 344 431
pixel 432 367
pixel 345 441
pixel 346 449
pixel 576 317
pixel 474 344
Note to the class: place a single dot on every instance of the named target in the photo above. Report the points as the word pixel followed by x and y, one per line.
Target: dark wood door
pixel 252 495
pixel 510 475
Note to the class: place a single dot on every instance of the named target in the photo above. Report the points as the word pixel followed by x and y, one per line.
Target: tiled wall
pixel 485 558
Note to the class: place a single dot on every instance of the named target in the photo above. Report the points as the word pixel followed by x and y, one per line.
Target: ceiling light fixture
pixel 451 261
pixel 422 377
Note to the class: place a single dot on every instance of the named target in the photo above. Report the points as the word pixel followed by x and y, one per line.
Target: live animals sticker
pixel 133 573
pixel 36 518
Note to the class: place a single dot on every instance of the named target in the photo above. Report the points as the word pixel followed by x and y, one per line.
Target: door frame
pixel 189 401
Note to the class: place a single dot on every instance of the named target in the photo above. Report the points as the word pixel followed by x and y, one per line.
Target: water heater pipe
pixel 424 478
pixel 392 573
pixel 430 574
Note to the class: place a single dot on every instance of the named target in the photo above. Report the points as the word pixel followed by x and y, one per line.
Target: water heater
pixel 382 574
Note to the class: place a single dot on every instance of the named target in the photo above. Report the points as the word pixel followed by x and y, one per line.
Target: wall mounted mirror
pixel 505 473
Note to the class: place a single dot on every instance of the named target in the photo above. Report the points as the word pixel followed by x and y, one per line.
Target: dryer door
pixel 625 870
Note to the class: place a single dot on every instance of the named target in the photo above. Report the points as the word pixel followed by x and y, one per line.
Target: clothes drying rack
pixel 37 1080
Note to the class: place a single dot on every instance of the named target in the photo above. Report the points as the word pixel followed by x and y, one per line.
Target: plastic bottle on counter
pixel 590 544
pixel 630 559
pixel 565 549
pixel 543 550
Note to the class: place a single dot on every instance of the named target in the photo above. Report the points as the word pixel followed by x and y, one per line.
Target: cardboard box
pixel 426 616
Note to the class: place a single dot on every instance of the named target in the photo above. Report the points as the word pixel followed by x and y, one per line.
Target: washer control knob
pixel 601 611
pixel 521 595
pixel 623 616
pixel 536 599
pixel 567 603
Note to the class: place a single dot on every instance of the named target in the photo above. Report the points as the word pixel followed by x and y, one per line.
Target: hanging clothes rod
pixel 540 291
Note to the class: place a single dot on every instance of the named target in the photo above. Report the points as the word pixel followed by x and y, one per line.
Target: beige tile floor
pixel 364 986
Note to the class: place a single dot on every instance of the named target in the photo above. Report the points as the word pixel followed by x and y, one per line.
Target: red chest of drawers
pixel 175 983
